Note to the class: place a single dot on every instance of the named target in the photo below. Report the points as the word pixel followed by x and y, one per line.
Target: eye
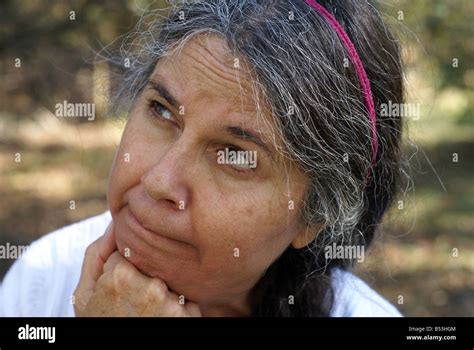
pixel 161 111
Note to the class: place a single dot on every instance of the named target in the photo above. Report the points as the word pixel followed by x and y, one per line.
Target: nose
pixel 165 180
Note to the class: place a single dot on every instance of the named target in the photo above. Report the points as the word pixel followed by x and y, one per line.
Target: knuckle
pixel 106 282
pixel 176 310
pixel 120 274
pixel 193 309
pixel 120 269
pixel 156 290
pixel 159 286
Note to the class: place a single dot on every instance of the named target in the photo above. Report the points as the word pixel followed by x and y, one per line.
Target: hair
pixel 301 68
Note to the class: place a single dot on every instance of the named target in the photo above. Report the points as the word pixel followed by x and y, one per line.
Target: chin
pixel 135 255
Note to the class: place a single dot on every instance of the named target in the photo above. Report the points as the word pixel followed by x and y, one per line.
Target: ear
pixel 305 236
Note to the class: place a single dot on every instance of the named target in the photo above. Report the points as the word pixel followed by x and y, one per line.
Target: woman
pixel 254 154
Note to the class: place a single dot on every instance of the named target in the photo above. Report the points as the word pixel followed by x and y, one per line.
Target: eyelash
pixel 154 104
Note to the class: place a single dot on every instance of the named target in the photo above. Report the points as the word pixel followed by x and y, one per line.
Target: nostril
pixel 173 204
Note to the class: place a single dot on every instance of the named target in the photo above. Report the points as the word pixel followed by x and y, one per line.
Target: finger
pixel 108 244
pixel 193 309
pixel 121 276
pixel 189 308
pixel 114 259
pixel 96 256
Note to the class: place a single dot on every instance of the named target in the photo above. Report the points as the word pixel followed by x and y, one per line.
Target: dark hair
pixel 301 67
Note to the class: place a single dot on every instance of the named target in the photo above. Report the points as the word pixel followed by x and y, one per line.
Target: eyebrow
pixel 164 92
pixel 247 135
pixel 236 131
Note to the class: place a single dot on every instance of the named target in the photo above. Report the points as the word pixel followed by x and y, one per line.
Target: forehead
pixel 216 85
pixel 205 72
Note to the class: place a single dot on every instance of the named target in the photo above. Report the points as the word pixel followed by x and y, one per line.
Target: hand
pixel 111 286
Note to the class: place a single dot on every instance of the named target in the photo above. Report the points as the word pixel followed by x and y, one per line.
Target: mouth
pixel 154 238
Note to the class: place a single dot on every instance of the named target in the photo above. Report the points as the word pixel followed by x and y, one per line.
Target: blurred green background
pixel 424 260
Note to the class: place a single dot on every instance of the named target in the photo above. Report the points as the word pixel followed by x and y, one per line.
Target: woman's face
pixel 208 229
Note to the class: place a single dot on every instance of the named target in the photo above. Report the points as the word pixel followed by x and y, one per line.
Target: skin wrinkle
pixel 226 74
pixel 214 269
pixel 230 75
pixel 298 64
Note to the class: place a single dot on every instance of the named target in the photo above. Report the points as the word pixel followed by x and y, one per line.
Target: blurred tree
pixel 48 49
pixel 444 29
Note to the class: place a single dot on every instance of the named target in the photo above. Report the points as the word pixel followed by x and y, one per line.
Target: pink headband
pixel 361 74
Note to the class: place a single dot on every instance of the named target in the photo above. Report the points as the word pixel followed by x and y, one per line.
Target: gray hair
pixel 301 69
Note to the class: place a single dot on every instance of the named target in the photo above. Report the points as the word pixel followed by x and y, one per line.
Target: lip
pixel 135 225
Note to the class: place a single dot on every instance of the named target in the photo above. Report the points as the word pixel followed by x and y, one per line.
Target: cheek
pixel 244 232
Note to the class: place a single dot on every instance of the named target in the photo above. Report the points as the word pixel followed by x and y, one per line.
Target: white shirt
pixel 42 282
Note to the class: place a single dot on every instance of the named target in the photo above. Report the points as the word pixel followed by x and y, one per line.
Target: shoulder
pixel 42 281
pixel 354 298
